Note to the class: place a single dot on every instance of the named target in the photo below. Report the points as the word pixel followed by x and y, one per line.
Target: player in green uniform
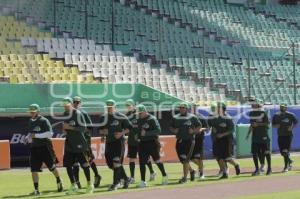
pixel 76 146
pixel 199 141
pixel 149 131
pixel 260 147
pixel 186 125
pixel 133 143
pixel 114 125
pixel 213 114
pixel 89 129
pixel 222 129
pixel 41 150
pixel 285 122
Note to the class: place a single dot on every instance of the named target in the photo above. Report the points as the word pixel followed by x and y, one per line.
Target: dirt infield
pixel 216 191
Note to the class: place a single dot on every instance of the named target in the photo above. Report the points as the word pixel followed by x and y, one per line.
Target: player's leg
pixel 214 150
pixel 282 152
pixel 289 144
pixel 49 158
pixel 182 150
pixel 76 167
pixel 261 158
pixel 152 172
pixel 267 151
pixel 255 151
pixel 35 167
pixel 109 155
pixel 222 154
pixel 230 158
pixel 143 158
pixel 83 159
pixel 123 173
pixel 132 155
pixel 68 162
pixel 223 166
pixel 97 176
pixel 198 155
pixel 154 151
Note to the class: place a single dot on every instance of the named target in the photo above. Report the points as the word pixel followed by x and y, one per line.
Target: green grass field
pixel 17 183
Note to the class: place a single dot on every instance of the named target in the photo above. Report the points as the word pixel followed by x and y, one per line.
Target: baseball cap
pixel 67 101
pixel 141 108
pixel 77 99
pixel 33 108
pixel 283 105
pixel 110 103
pixel 129 102
pixel 183 105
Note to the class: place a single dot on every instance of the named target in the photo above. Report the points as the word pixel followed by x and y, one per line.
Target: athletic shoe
pixel 182 180
pixel 35 193
pixel 237 169
pixel 164 180
pixel 201 177
pixel 97 181
pixel 192 174
pixel 285 170
pixel 113 187
pixel 60 187
pixel 132 181
pixel 78 185
pixel 220 173
pixel 269 172
pixel 142 184
pixel 126 183
pixel 262 168
pixel 152 176
pixel 89 189
pixel 256 173
pixel 224 176
pixel 72 190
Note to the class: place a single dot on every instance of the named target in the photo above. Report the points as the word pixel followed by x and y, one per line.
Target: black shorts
pixel 260 148
pixel 114 152
pixel 40 155
pixel 284 143
pixel 198 150
pixel 132 151
pixel 70 158
pixel 214 149
pixel 149 149
pixel 224 148
pixel 185 150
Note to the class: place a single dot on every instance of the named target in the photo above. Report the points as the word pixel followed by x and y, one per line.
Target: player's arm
pixel 294 123
pixel 250 130
pixel 88 120
pixel 230 129
pixel 275 122
pixel 265 122
pixel 204 125
pixel 196 126
pixel 125 126
pixel 173 127
pixel 47 134
pixel 155 130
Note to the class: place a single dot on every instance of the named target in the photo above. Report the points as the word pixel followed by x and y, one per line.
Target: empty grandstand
pixel 197 50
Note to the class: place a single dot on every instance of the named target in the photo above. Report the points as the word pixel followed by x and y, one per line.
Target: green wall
pixel 243 146
pixel 15 98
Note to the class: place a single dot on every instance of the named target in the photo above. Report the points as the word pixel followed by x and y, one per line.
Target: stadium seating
pixel 111 66
pixel 172 33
